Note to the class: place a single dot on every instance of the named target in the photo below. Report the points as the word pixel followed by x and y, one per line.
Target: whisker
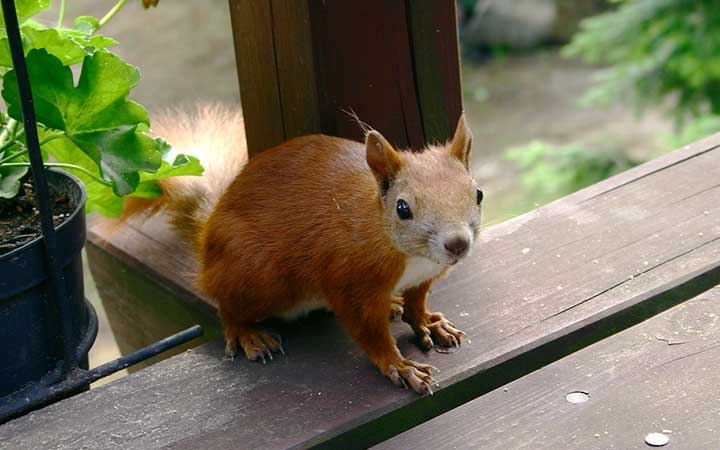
pixel 365 127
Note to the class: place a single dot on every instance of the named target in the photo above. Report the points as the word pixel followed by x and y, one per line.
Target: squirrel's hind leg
pixel 241 328
pixel 257 343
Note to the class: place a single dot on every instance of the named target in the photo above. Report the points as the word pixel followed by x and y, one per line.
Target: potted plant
pixel 86 127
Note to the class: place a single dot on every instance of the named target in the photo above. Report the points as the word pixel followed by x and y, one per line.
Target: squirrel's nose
pixel 457 246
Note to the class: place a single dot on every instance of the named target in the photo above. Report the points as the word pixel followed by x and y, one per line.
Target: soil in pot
pixel 20 218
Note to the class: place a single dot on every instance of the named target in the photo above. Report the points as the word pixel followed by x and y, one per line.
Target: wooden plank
pixel 436 61
pixel 304 65
pixel 140 311
pixel 148 244
pixel 660 375
pixel 537 288
pixel 295 67
pixel 364 64
pixel 257 70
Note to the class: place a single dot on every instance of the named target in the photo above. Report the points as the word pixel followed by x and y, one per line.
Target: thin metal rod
pixel 25 401
pixel 143 354
pixel 57 282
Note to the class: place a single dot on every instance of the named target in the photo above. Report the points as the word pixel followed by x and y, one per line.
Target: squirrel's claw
pixel 424 339
pixel 412 375
pixel 395 377
pixel 397 306
pixel 258 344
pixel 443 332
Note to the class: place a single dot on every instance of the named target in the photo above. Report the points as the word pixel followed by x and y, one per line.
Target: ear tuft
pixel 383 159
pixel 461 145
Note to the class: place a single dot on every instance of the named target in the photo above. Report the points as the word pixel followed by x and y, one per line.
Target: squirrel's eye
pixel 479 197
pixel 403 210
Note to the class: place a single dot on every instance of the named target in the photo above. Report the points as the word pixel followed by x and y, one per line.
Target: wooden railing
pixel 537 289
pixel 544 298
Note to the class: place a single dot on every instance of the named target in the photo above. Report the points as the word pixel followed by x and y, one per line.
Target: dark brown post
pixel 303 65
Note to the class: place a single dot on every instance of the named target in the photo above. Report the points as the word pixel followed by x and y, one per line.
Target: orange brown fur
pixel 318 222
pixel 213 133
pixel 304 224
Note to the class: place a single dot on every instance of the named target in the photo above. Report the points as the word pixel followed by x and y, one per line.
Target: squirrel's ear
pixel 461 144
pixel 383 159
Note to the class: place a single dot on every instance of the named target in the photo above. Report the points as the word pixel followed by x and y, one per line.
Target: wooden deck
pixel 661 376
pixel 537 289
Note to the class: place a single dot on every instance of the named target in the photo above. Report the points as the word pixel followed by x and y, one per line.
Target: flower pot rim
pixel 79 209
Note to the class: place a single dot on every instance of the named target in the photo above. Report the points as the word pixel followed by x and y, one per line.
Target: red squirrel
pixel 361 229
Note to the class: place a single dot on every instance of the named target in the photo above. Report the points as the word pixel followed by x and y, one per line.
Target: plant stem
pixel 7 131
pixel 118 6
pixel 61 14
pixel 13 156
pixel 64 166
pixel 45 140
pixel 51 137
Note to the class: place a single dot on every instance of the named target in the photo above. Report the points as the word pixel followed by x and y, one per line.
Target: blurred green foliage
pixel 658 52
pixel 693 131
pixel 549 171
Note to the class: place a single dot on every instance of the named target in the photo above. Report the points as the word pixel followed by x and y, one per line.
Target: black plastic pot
pixel 31 354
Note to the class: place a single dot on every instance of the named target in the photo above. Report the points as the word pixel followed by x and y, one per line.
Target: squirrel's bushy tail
pixel 214 134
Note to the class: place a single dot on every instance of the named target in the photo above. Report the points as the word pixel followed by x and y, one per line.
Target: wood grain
pixel 660 375
pixel 537 288
pixel 436 61
pixel 257 71
pixel 364 64
pixel 295 67
pixel 304 66
pixel 140 311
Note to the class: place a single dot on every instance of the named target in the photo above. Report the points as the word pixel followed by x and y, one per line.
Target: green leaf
pixel 105 134
pixel 86 24
pixel 65 49
pixel 100 197
pixel 95 115
pixel 65 150
pixel 5 57
pixel 51 83
pixel 10 180
pixel 172 166
pixel 70 46
pixel 182 165
pixel 26 9
pixel 121 153
pixel 148 189
pixel 100 100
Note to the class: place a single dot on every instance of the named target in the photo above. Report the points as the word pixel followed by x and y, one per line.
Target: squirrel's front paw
pixel 437 330
pixel 410 374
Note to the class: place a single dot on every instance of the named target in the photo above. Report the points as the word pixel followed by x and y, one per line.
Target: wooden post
pixel 304 65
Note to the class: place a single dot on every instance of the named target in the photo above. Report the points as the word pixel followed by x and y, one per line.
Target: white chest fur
pixel 417 270
pixel 304 308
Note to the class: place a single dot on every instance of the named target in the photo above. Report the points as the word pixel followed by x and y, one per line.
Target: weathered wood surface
pixel 366 61
pixel 147 243
pixel 437 72
pixel 140 311
pixel 658 376
pixel 275 69
pixel 537 288
pixel 303 65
